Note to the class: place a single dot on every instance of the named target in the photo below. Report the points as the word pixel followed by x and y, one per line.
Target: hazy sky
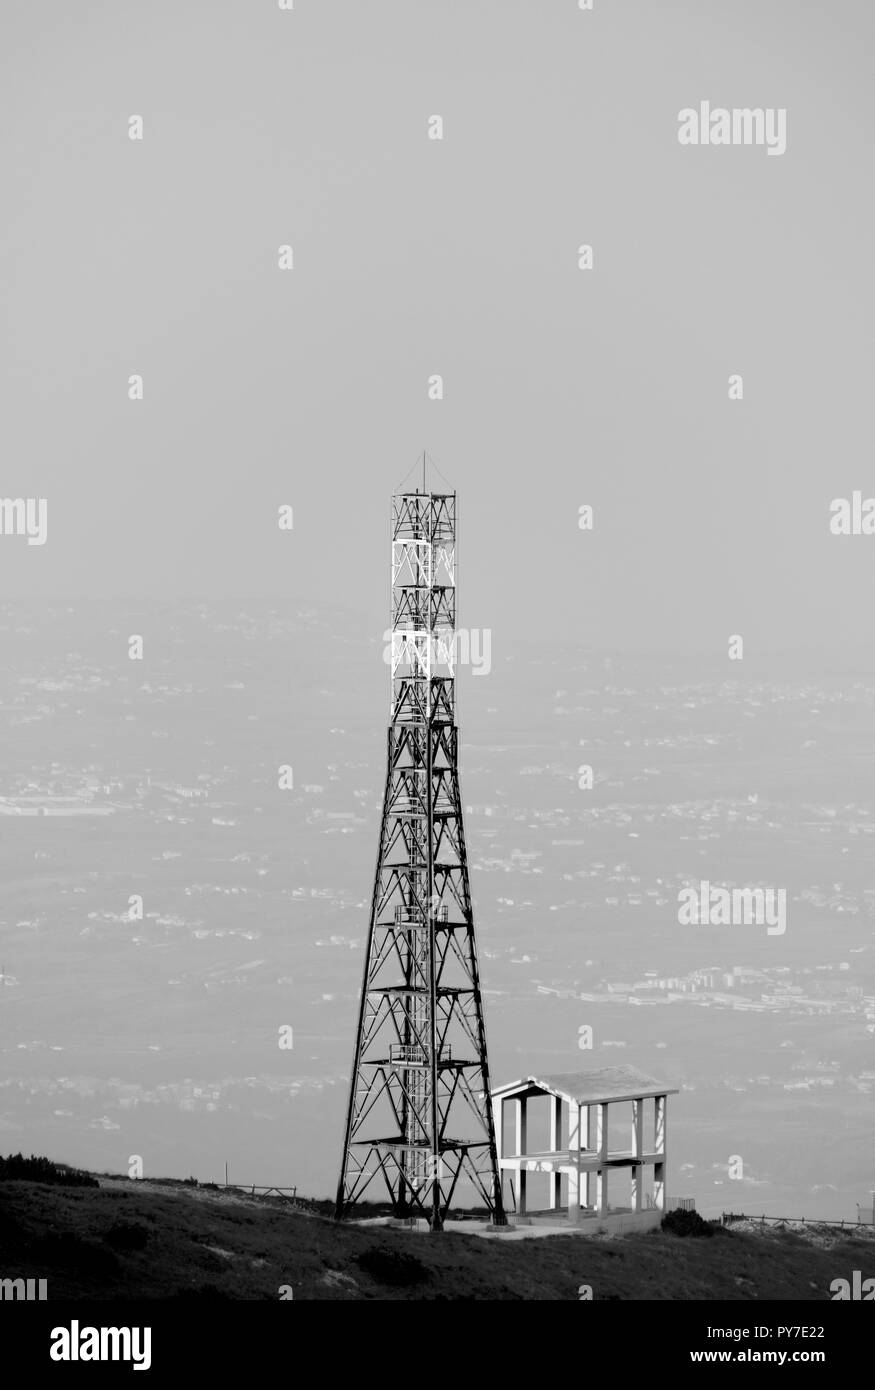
pixel 459 257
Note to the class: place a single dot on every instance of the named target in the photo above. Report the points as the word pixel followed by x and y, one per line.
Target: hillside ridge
pixel 155 1239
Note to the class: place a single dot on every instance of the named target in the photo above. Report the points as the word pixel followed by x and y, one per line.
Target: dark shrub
pixel 18 1168
pixel 690 1223
pixel 398 1268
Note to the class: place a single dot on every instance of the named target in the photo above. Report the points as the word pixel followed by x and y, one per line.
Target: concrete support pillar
pixel 601 1188
pixel 521 1147
pixel 554 1143
pixel 659 1186
pixel 574 1155
pixel 498 1122
pixel 601 1129
pixel 592 1145
pixel 637 1202
pixel 521 1127
pixel 555 1132
pixel 574 1191
pixel 660 1127
pixel 602 1143
pixel 573 1126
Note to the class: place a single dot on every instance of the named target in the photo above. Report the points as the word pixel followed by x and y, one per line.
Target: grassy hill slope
pixel 148 1240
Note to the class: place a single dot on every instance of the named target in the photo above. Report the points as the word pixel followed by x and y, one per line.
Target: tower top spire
pixel 430 479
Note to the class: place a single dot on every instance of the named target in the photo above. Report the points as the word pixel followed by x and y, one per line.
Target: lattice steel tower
pixel 420 1077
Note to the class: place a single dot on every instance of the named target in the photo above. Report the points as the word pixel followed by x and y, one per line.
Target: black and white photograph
pixel 437 696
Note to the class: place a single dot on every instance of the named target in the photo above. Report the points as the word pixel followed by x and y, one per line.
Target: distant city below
pixel 168 907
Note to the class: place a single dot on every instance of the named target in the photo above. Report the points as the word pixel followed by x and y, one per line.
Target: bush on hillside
pixel 18 1168
pixel 397 1268
pixel 690 1223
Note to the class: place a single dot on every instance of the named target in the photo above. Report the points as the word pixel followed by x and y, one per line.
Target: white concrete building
pixel 600 1154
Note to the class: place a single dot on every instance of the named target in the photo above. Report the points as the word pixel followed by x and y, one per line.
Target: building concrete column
pixel 521 1147
pixel 573 1125
pixel 554 1143
pixel 602 1144
pixel 498 1123
pixel 498 1126
pixel 592 1146
pixel 573 1192
pixel 638 1151
pixel 636 1199
pixel 659 1186
pixel 521 1126
pixel 660 1127
pixel 574 1157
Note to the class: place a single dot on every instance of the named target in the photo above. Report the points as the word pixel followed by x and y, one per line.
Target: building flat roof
pixel 588 1087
